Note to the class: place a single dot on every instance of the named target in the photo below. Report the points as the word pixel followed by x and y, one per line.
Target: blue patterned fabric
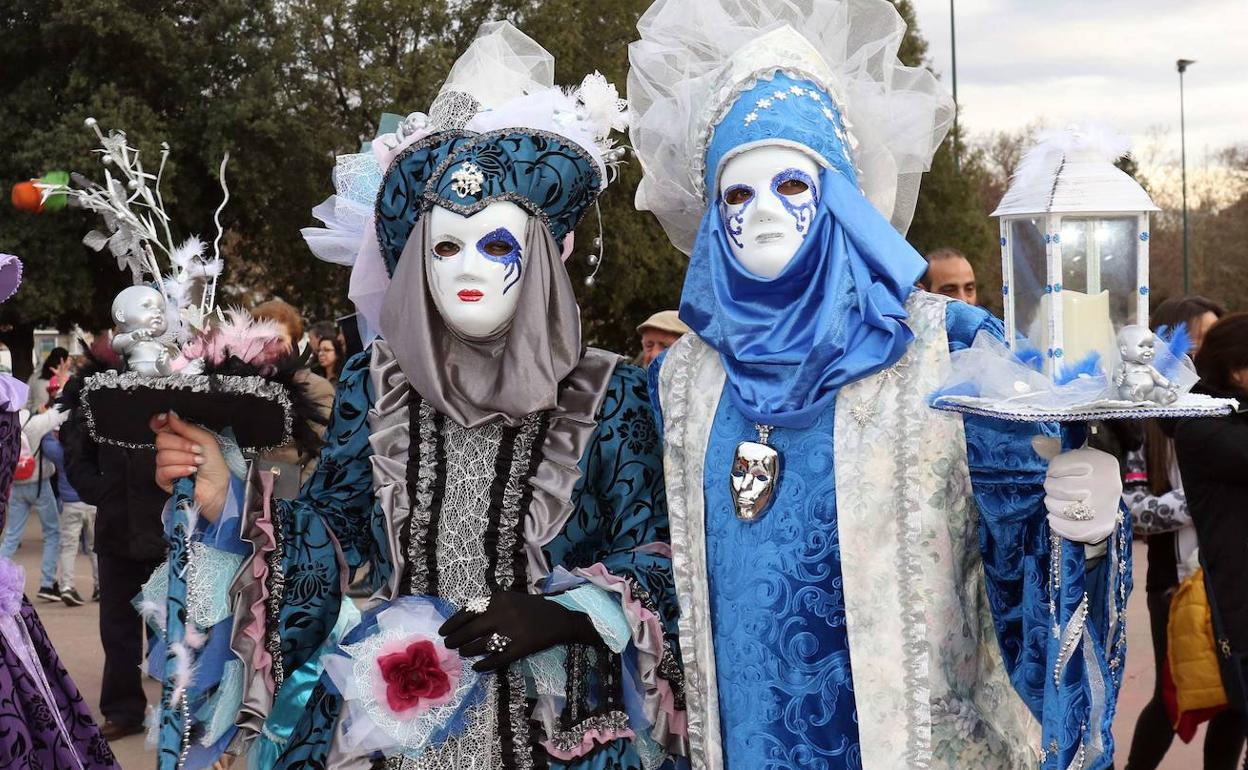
pixel 619 505
pixel 834 315
pixel 778 613
pixel 786 694
pixel 291 701
pixel 620 513
pixel 550 177
pixel 782 108
pixel 546 175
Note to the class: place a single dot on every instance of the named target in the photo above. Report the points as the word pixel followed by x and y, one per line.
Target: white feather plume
pixel 192 515
pixel 1045 157
pixel 189 250
pixel 603 109
pixel 153 613
pixel 195 638
pixel 183 669
pixel 209 269
pixel 151 721
pixel 138 229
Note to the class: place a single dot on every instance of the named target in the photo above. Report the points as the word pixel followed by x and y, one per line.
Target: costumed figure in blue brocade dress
pixel 502 483
pixel 864 582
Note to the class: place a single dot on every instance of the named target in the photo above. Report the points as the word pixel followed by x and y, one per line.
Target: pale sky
pixel 1112 61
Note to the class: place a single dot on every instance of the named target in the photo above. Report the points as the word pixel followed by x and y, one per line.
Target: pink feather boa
pixel 256 342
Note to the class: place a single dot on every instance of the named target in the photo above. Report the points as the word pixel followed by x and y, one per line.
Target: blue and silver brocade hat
pixel 500 130
pixel 548 175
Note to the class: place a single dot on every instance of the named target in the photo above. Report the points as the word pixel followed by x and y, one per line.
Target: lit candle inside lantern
pixel 1086 327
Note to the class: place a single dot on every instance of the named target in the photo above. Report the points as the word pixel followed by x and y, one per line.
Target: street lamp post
pixel 953 45
pixel 1182 65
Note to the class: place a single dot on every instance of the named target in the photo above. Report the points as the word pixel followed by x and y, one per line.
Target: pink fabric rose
pixel 417 676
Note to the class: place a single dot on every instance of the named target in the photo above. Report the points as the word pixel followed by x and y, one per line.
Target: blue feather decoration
pixel 1089 366
pixel 1031 358
pixel 1178 342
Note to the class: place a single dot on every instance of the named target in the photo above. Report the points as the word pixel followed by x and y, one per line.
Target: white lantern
pixel 1074 264
pixel 1074 250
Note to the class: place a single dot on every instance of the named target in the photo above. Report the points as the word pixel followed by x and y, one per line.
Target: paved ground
pixel 76 635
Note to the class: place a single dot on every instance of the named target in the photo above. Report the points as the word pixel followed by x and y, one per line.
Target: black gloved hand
pixel 533 624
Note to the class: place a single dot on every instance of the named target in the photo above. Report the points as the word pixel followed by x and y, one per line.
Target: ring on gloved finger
pixel 1078 511
pixel 497 642
pixel 478 606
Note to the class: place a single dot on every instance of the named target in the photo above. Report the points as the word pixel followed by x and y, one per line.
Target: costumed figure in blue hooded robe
pixel 501 483
pixel 863 582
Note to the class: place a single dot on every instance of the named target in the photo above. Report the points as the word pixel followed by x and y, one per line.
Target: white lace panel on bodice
pixel 464 517
pixel 467 518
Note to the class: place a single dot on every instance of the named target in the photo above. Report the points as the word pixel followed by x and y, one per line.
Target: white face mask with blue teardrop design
pixel 768 196
pixel 476 265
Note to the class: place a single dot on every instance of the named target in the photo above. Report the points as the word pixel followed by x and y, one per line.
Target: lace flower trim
pixel 688 564
pixel 584 737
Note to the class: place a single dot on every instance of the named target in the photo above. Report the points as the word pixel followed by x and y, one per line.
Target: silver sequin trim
pixel 277 589
pixel 422 502
pixel 509 516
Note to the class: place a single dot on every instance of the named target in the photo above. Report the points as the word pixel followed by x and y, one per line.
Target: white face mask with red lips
pixel 768 196
pixel 475 266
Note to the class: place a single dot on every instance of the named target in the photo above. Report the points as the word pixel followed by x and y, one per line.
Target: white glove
pixel 1083 490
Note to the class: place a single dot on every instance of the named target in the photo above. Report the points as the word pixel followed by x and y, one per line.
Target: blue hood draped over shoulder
pixel 834 315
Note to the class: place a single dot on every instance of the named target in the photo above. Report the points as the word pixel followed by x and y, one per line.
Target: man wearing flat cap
pixel 658 333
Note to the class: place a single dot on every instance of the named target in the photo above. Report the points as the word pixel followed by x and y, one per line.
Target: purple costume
pixel 44 722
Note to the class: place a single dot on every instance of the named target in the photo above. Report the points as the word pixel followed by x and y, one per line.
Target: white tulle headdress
pixel 499 129
pixel 697 63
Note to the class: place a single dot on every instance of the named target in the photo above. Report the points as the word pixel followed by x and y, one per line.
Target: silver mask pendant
pixel 755 475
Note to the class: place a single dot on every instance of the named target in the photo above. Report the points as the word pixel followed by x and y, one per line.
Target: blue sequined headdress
pixel 756 73
pixel 786 110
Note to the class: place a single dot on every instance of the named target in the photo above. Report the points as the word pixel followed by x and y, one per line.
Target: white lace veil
pixel 693 58
pixel 501 64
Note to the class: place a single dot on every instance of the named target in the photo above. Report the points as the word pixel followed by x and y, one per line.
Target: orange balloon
pixel 26 197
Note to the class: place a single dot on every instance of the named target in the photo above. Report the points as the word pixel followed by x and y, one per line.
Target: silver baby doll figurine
pixel 141 337
pixel 1137 379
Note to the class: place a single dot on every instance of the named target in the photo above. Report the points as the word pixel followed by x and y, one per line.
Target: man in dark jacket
pixel 130 544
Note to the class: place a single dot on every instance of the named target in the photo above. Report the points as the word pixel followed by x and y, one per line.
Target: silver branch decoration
pixel 137 229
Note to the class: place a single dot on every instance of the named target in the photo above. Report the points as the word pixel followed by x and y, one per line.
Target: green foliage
pixel 206 77
pixel 952 212
pixel 642 272
pixel 284 87
pixel 951 208
pixel 913 51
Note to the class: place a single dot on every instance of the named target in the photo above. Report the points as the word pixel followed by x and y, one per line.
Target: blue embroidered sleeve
pixel 335 510
pixel 1058 622
pixel 618 539
pixel 620 503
